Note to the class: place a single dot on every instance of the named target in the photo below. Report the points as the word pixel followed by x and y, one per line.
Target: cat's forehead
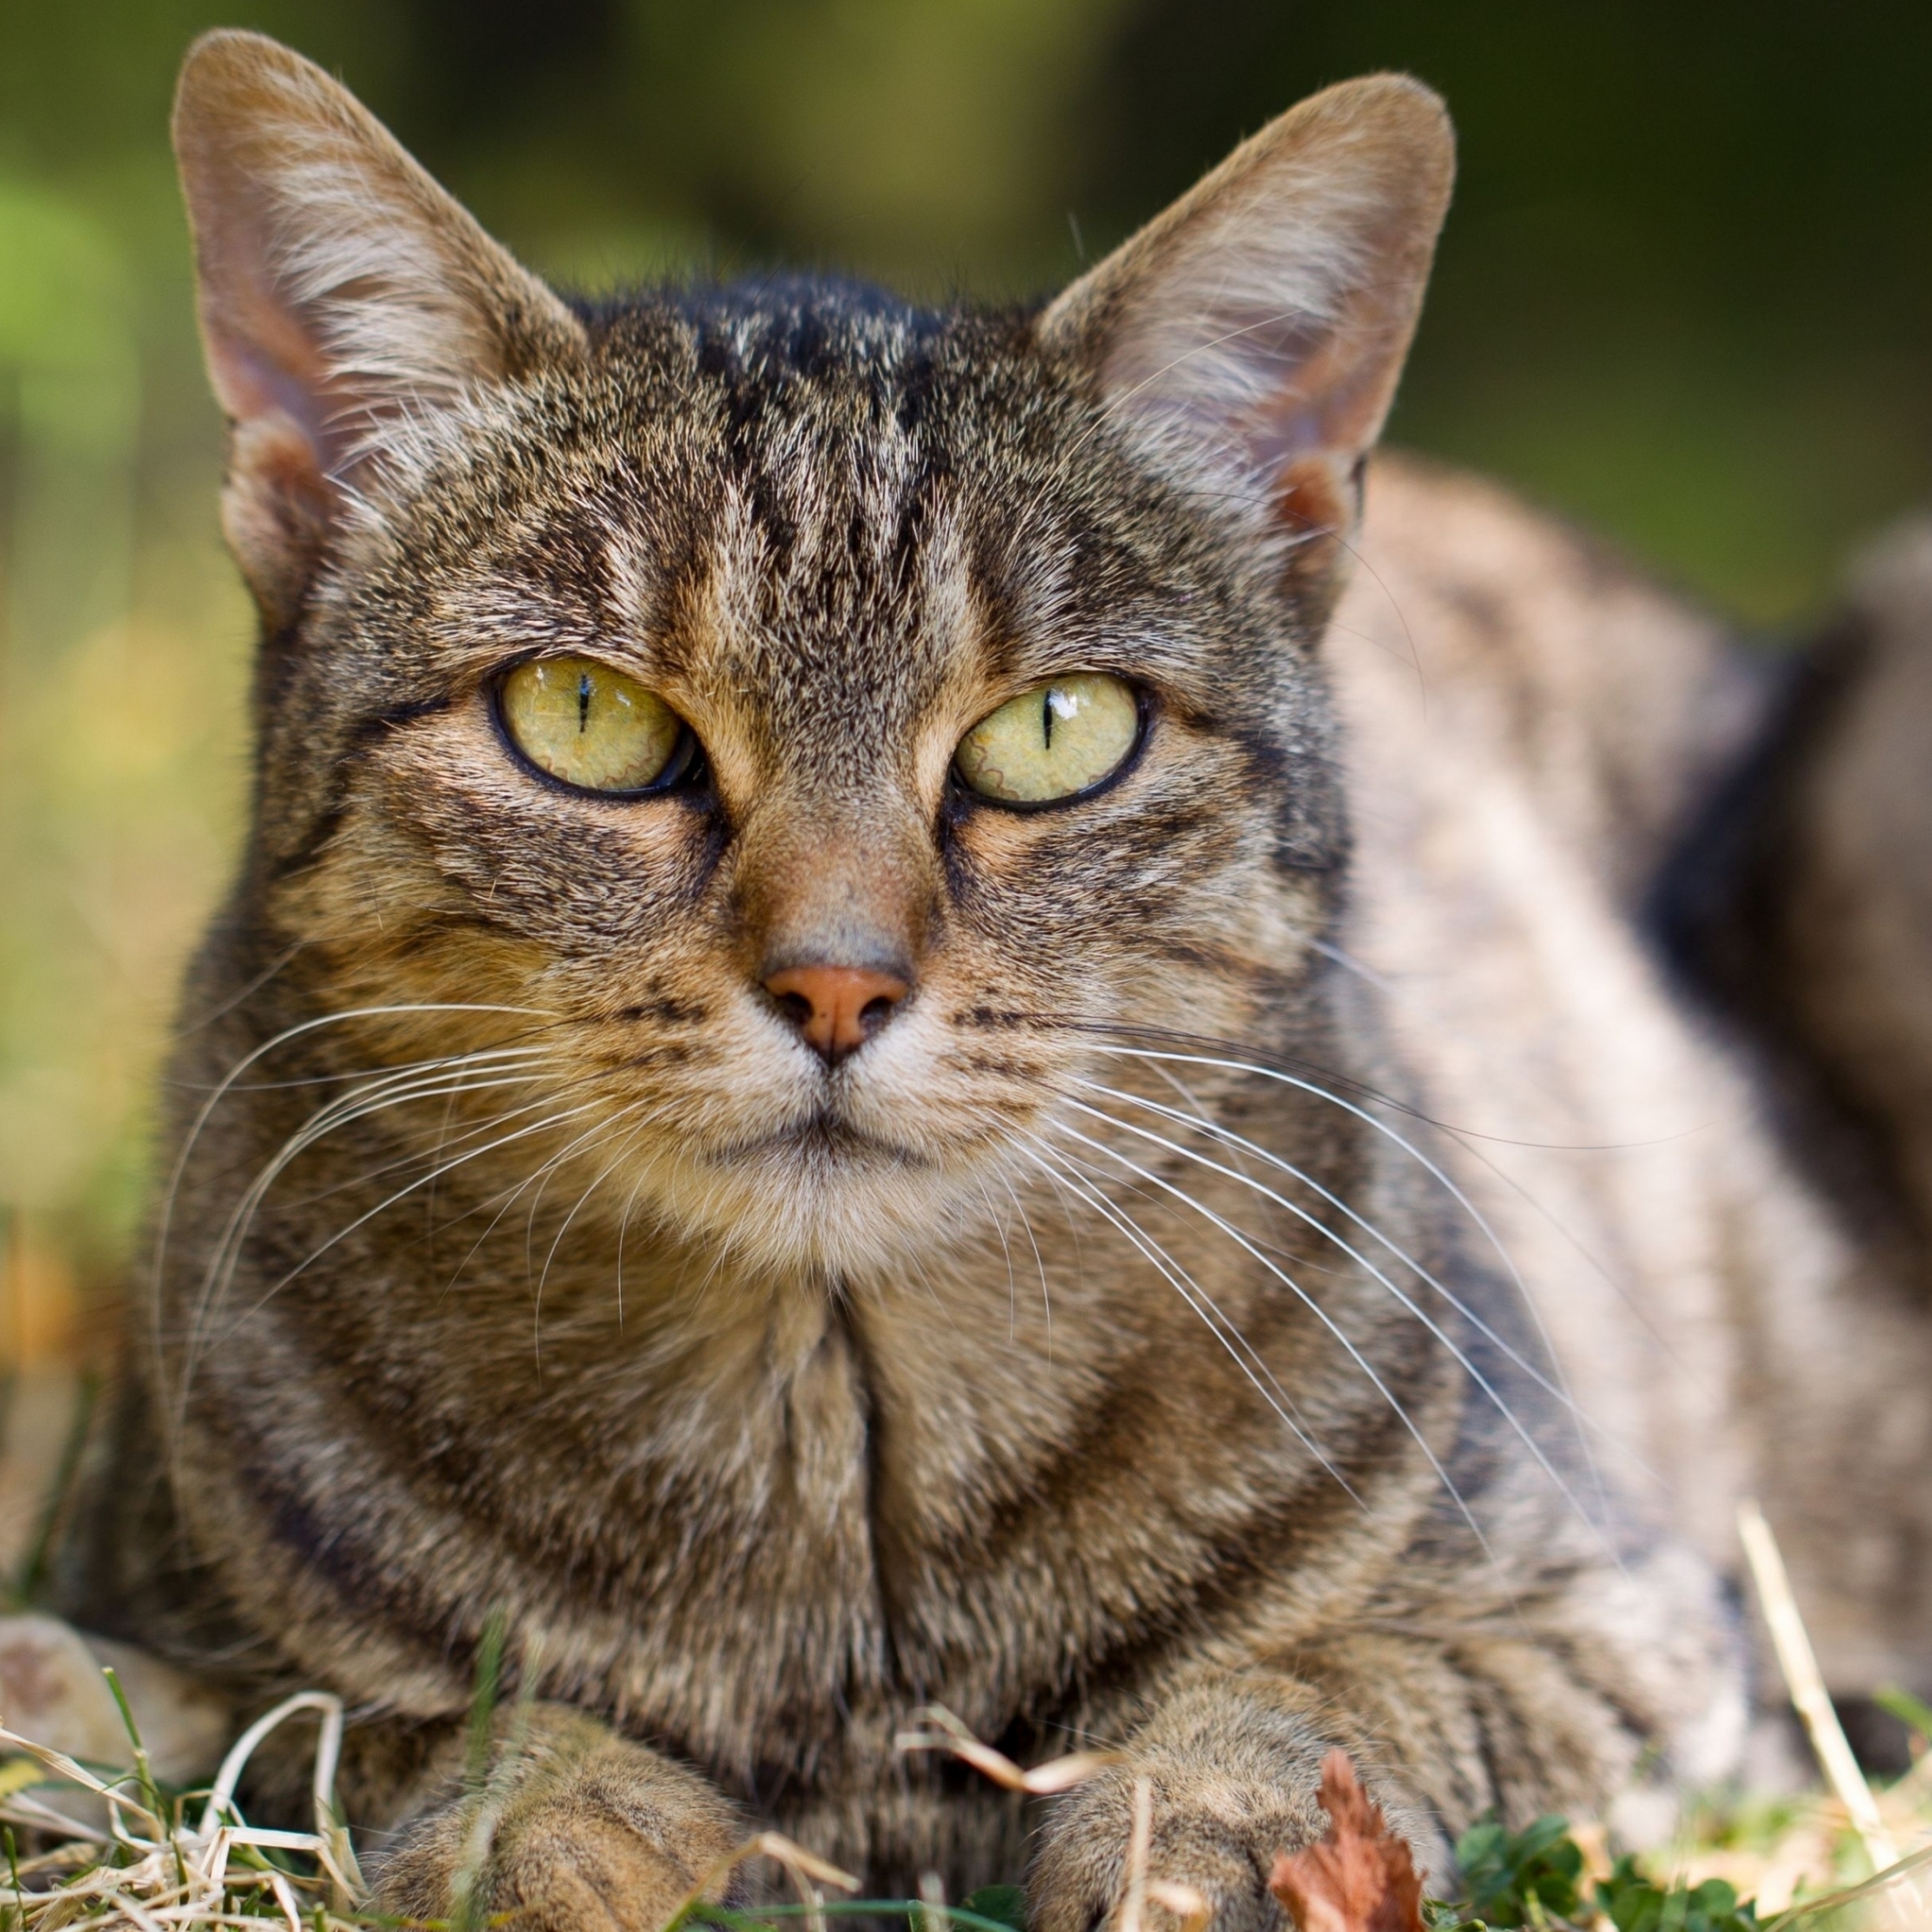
pixel 800 498
pixel 826 464
pixel 798 530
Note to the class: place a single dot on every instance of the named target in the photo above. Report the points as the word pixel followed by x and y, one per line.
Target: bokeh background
pixel 1685 296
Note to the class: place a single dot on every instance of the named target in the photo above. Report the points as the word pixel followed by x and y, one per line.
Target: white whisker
pixel 372 1098
pixel 1308 1300
pixel 603 1175
pixel 1240 1351
pixel 1430 1167
pixel 510 1195
pixel 342 1234
pixel 199 1124
pixel 1205 1125
pixel 1460 1355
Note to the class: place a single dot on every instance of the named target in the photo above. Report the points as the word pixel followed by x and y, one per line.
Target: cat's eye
pixel 590 727
pixel 1053 743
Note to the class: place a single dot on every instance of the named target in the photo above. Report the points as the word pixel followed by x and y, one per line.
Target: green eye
pixel 590 725
pixel 1053 741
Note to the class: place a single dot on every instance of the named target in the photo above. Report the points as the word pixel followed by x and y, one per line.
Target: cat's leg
pixel 575 1829
pixel 1440 1732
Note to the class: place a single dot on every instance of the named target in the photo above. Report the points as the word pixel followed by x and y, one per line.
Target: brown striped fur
pixel 768 1399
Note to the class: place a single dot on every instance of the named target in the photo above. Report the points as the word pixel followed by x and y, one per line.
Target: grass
pixel 190 1859
pixel 160 1858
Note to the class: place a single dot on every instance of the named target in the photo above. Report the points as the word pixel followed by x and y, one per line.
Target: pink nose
pixel 838 1008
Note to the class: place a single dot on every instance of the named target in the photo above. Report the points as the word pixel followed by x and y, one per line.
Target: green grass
pixel 199 1861
pixel 191 1857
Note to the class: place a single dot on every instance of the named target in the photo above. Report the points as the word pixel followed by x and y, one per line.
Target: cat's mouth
pixel 822 1136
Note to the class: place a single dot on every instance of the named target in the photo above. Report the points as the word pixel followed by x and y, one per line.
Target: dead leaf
pixel 1360 1878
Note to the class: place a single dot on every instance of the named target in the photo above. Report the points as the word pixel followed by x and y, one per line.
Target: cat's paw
pixel 1215 1831
pixel 582 1867
pixel 1232 1766
pixel 593 1834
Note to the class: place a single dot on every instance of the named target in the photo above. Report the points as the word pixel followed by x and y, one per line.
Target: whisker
pixel 1205 1125
pixel 1382 1127
pixel 1038 1260
pixel 1408 1303
pixel 337 1077
pixel 622 1229
pixel 439 1087
pixel 382 1206
pixel 604 1173
pixel 246 993
pixel 297 1032
pixel 442 1131
pixel 1308 1300
pixel 1430 1167
pixel 1337 956
pixel 1211 1052
pixel 1196 1107
pixel 171 1192
pixel 510 1195
pixel 371 1098
pixel 999 1226
pixel 1230 1337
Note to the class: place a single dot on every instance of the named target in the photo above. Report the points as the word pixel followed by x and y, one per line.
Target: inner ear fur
pixel 340 292
pixel 1250 338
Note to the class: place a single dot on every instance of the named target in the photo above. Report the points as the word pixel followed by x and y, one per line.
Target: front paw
pixel 1215 1832
pixel 590 1834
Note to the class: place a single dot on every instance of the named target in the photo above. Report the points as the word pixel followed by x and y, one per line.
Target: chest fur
pixel 765 1538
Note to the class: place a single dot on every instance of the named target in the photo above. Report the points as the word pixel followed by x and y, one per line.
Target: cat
pixel 822 1083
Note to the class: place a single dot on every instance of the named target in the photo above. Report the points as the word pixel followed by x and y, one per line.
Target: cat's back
pixel 1531 728
pixel 1480 636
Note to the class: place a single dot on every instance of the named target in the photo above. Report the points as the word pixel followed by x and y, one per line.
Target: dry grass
pixel 1786 1851
pixel 150 1858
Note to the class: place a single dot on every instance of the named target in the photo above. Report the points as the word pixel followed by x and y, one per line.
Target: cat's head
pixel 788 728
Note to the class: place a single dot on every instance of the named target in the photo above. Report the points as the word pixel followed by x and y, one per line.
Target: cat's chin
pixel 821 1199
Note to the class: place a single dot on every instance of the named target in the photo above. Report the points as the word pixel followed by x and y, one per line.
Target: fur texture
pixel 1096 1351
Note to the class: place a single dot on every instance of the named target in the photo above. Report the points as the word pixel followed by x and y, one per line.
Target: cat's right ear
pixel 342 292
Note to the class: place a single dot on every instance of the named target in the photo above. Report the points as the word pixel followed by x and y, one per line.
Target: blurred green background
pixel 1686 295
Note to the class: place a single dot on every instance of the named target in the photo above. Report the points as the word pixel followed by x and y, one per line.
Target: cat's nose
pixel 838 1008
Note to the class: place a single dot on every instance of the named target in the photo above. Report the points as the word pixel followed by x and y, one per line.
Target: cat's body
pixel 1535 737
pixel 1072 1338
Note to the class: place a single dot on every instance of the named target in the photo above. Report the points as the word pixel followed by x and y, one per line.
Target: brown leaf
pixel 1360 1877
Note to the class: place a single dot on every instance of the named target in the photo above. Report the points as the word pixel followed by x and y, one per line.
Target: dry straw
pixel 142 1865
pixel 1812 1702
pixel 148 1869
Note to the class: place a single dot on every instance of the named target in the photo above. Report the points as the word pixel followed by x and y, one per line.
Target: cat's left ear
pixel 342 292
pixel 1249 339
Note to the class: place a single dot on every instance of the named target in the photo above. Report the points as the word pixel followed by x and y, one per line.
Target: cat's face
pixel 829 566
pixel 791 731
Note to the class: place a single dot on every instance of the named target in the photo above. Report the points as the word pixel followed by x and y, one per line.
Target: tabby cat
pixel 822 1085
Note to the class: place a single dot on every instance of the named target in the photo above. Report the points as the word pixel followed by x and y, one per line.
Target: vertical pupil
pixel 583 701
pixel 1046 717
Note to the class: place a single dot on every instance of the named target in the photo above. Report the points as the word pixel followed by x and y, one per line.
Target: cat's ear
pixel 342 292
pixel 1250 338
